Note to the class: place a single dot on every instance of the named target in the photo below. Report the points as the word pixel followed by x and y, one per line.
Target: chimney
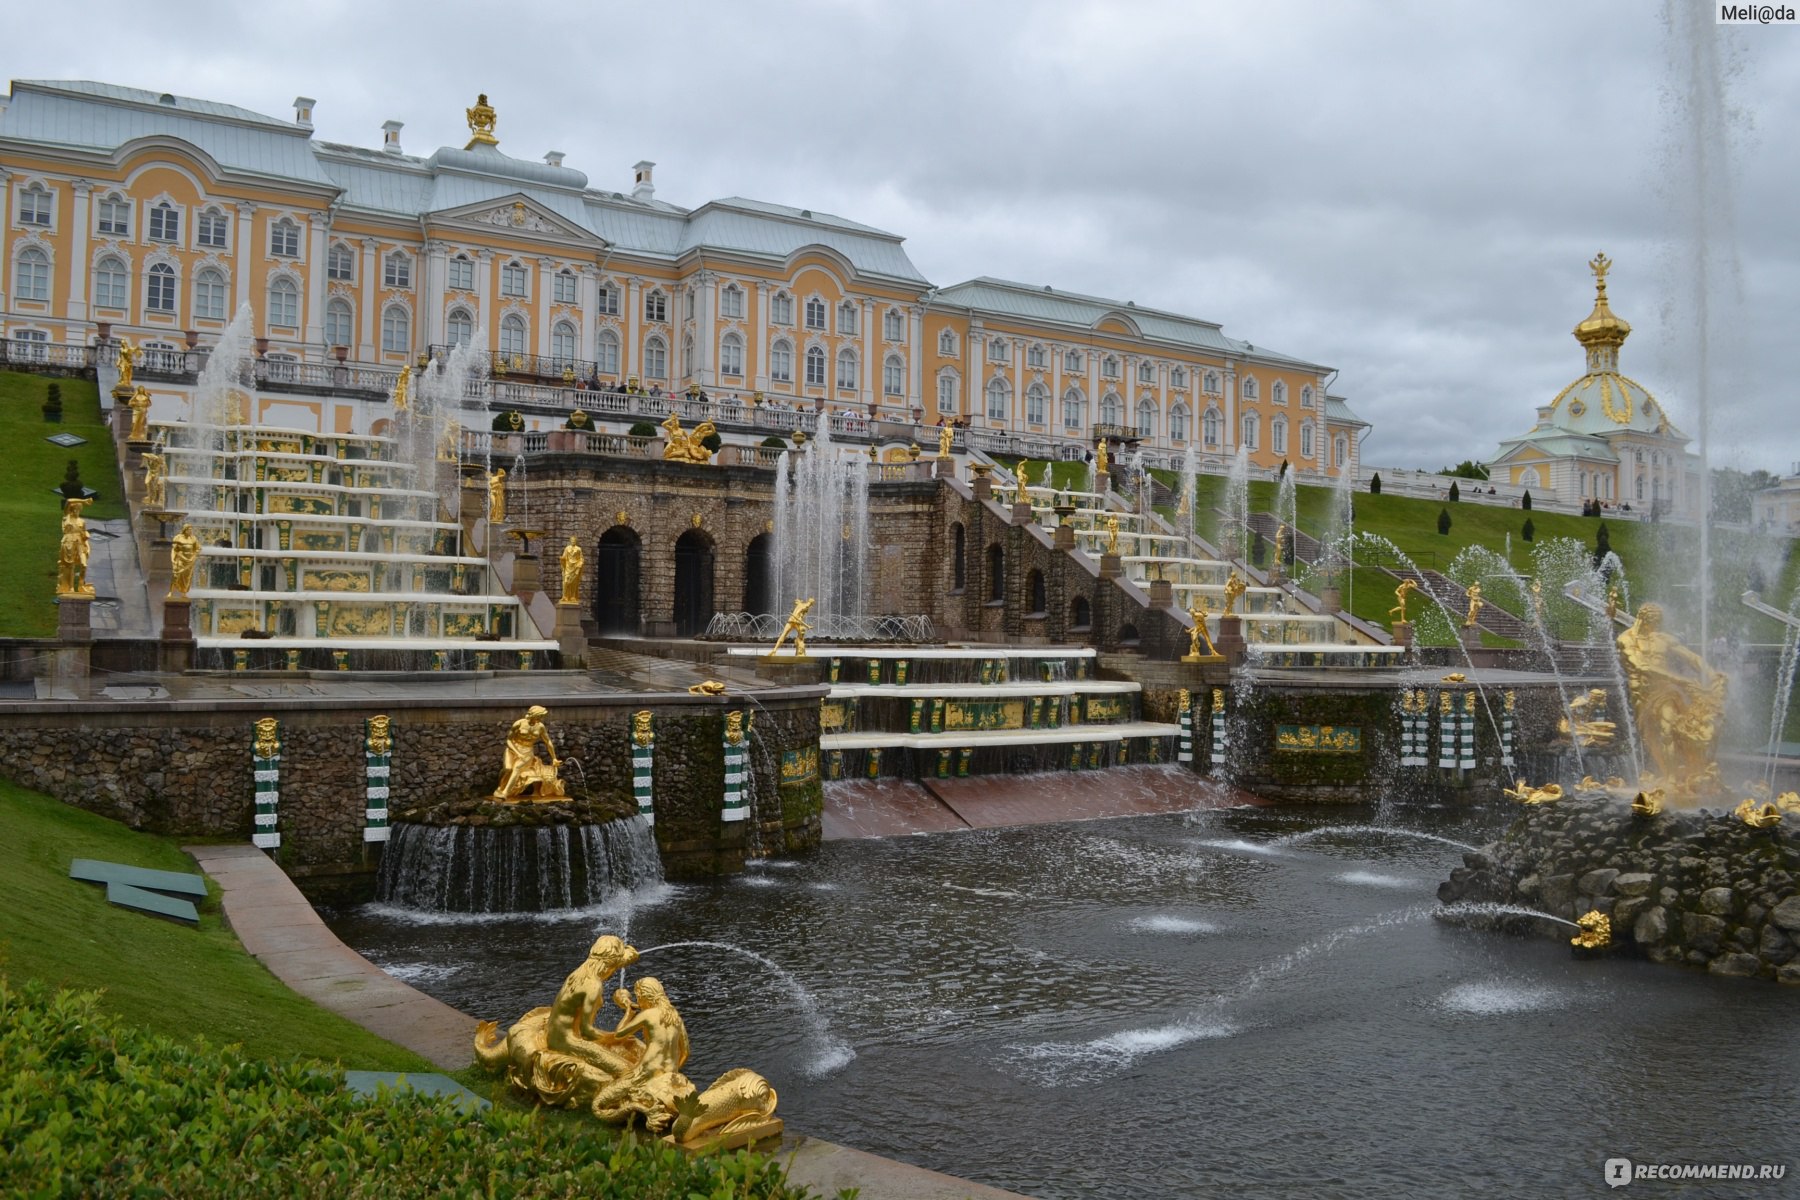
pixel 553 157
pixel 303 106
pixel 641 186
pixel 390 136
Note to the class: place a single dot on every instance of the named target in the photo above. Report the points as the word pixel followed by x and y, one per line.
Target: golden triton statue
pixel 402 382
pixel 451 442
pixel 1281 541
pixel 522 770
pixel 155 491
pixel 573 561
pixel 1112 536
pixel 1763 816
pixel 1524 793
pixel 496 485
pixel 562 1057
pixel 640 727
pixel 140 415
pixel 796 625
pixel 1397 614
pixel 1200 645
pixel 1648 804
pixel 1234 589
pixel 184 553
pixel 481 123
pixel 1476 604
pixel 1583 728
pixel 128 358
pixel 1676 699
pixel 72 552
pixel 381 738
pixel 1612 603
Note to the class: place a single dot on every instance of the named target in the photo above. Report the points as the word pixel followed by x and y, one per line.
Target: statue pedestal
pixel 73 623
pixel 945 468
pixel 1331 599
pixel 984 486
pixel 1470 637
pixel 1064 538
pixel 786 668
pixel 1403 633
pixel 569 636
pixel 1162 593
pixel 178 623
pixel 1021 513
pixel 134 459
pixel 527 575
pixel 1230 642
pixel 1110 567
pixel 157 567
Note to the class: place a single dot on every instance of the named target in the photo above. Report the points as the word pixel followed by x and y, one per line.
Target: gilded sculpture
pixel 945 435
pixel 1112 536
pixel 1647 804
pixel 522 770
pixel 1524 793
pixel 640 727
pixel 707 687
pixel 1200 646
pixel 140 415
pixel 402 385
pixel 155 479
pixel 1281 541
pixel 496 488
pixel 1101 463
pixel 1676 699
pixel 184 553
pixel 1022 480
pixel 573 560
pixel 451 441
pixel 481 123
pixel 381 738
pixel 1234 590
pixel 1758 816
pixel 734 727
pixel 1476 604
pixel 72 552
pixel 687 447
pixel 1403 593
pixel 1585 724
pixel 631 1073
pixel 127 360
pixel 796 625
pixel 268 737
pixel 1596 931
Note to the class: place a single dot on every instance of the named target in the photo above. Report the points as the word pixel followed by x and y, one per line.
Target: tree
pixel 642 429
pixel 1375 484
pixel 1259 549
pixel 1525 502
pixel 772 442
pixel 53 403
pixel 1467 469
pixel 1733 491
pixel 1602 545
pixel 1455 492
pixel 1444 521
pixel 712 442
pixel 71 486
pixel 1530 530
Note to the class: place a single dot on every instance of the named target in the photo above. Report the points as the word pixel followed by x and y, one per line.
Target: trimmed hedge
pixel 92 1107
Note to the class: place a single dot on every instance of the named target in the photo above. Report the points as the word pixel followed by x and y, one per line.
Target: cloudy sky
pixel 1408 192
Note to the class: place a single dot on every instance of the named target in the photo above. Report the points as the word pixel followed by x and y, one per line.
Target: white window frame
pixel 112 283
pixel 1146 419
pixel 340 320
pixel 515 279
pixel 112 216
pixel 340 263
pixel 462 273
pixel 36 207
pixel 731 302
pixel 998 397
pixel 999 350
pixel 893 325
pixel 1109 367
pixel 1146 372
pixel 656 310
pixel 656 357
pixel 163 224
pixel 815 366
pixel 562 287
pixel 814 313
pixel 1035 357
pixel 949 393
pixel 284 303
pixel 1248 427
pixel 515 335
pixel 161 278
pixel 1278 436
pixel 893 376
pixel 1211 425
pixel 31 275
pixel 1278 392
pixel 1072 361
pixel 1247 388
pixel 1178 423
pixel 606 353
pixel 781 361
pixel 1037 404
pixel 211 294
pixel 212 229
pixel 847 318
pixel 396 330
pixel 781 309
pixel 947 343
pixel 284 238
pixel 731 356
pixel 396 270
pixel 1074 405
pixel 564 342
pixel 606 300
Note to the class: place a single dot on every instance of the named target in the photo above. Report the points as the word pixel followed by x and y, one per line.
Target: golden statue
pixel 127 360
pixel 796 625
pixel 1112 536
pixel 709 687
pixel 640 727
pixel 1648 804
pixel 946 434
pixel 1476 604
pixel 481 123
pixel 155 493
pixel 1763 816
pixel 402 382
pixel 1281 541
pixel 1677 700
pixel 1397 614
pixel 1537 599
pixel 184 553
pixel 734 727
pixel 1101 463
pixel 496 485
pixel 560 1055
pixel 1022 480
pixel 1596 931
pixel 1455 677
pixel 1524 793
pixel 522 769
pixel 1200 645
pixel 381 739
pixel 72 552
pixel 573 560
pixel 687 447
pixel 140 415
pixel 1584 729
pixel 451 442
pixel 268 737
pixel 1234 589
pixel 1612 603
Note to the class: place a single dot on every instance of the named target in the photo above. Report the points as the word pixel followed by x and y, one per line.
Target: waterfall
pixel 822 531
pixel 487 869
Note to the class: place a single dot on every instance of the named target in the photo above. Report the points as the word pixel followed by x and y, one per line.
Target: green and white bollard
pixel 643 756
pixel 378 755
pixel 1186 718
pixel 265 758
pixel 737 761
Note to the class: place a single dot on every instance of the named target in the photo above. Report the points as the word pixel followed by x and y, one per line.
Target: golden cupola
pixel 1602 400
pixel 1602 333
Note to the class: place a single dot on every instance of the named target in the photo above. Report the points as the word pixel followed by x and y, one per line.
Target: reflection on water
pixel 1159 1006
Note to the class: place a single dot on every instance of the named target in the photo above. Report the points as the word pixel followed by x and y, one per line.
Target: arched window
pixel 893 376
pixel 1209 427
pixel 1177 377
pixel 209 294
pixel 396 330
pixel 112 283
pixel 996 573
pixel 656 308
pixel 1211 383
pixel 846 369
pixel 1306 397
pixel 514 280
pixel 1037 404
pixel 159 288
pixel 1109 367
pixel 1072 361
pixel 949 394
pixel 687 356
pixel 1249 438
pixel 1081 615
pixel 958 559
pixel 1034 356
pixel 815 313
pixel 1039 595
pixel 165 222
pixel 284 239
pixel 340 263
pixel 847 317
pixel 338 324
pixel 1340 450
pixel 999 350
pixel 656 358
pixel 1146 419
pixel 731 356
pixel 1278 392
pixel 998 393
pixel 815 366
pixel 1112 410
pixel 731 301
pixel 562 344
pixel 947 344
pixel 1247 387
pixel 512 335
pixel 781 309
pixel 31 276
pixel 781 362
pixel 606 352
pixel 1278 435
pixel 893 325
pixel 1072 405
pixel 1178 423
pixel 284 303
pixel 1146 372
pixel 1306 440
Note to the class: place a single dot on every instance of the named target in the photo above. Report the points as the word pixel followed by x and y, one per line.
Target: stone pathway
pixel 278 927
pixel 120 608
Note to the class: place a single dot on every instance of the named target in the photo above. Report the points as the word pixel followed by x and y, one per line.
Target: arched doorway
pixel 759 574
pixel 693 583
pixel 616 581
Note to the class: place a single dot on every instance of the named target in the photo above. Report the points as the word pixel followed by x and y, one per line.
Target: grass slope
pixel 157 975
pixel 29 526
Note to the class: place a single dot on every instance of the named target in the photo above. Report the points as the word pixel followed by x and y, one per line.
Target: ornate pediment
pixel 517 214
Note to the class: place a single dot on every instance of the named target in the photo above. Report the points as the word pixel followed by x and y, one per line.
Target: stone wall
pixel 185 771
pixel 1698 888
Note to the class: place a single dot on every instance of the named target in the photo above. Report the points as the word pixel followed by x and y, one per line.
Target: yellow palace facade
pixel 156 217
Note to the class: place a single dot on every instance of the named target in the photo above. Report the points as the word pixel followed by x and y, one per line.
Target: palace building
pixel 156 217
pixel 1604 437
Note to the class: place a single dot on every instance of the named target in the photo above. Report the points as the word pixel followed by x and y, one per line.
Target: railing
pixel 761 627
pixel 25 353
pixel 501 364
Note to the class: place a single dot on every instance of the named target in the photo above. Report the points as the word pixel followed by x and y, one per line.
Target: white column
pixel 761 346
pixel 246 250
pixel 1091 412
pixel 1015 417
pixel 371 279
pixel 915 357
pixel 76 309
pixel 630 353
pixel 319 230
pixel 587 295
pixel 546 272
pixel 434 290
pixel 975 364
pixel 706 286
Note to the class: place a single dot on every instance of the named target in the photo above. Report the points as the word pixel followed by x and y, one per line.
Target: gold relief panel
pixel 317 539
pixel 1319 739
pixel 1102 708
pixel 984 714
pixel 327 579
pixel 799 766
pixel 279 445
pixel 306 506
pixel 229 622
pixel 287 475
pixel 464 624
pixel 356 620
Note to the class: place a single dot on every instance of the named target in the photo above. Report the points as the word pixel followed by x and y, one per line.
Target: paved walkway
pixel 276 925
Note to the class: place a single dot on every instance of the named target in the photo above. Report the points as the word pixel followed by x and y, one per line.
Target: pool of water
pixel 1169 1006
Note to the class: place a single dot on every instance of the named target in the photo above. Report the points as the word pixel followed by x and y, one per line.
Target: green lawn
pixel 158 975
pixel 29 508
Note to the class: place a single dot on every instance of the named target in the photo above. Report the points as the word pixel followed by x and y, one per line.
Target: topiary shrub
pixel 53 403
pixel 1375 484
pixel 71 486
pixel 1444 521
pixel 1525 502
pixel 1455 492
pixel 1259 549
pixel 712 442
pixel 1602 545
pixel 643 429
pixel 772 442
pixel 509 421
pixel 1529 531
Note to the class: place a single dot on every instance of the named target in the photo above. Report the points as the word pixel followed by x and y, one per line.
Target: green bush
pixel 1529 531
pixel 712 442
pixel 1455 492
pixel 1374 484
pixel 1444 521
pixel 510 421
pixel 643 429
pixel 1525 502
pixel 91 1107
pixel 772 442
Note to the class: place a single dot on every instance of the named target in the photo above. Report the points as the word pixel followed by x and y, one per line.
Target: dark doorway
pixel 693 583
pixel 616 582
pixel 958 541
pixel 759 574
pixel 1080 615
pixel 1039 596
pixel 996 571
